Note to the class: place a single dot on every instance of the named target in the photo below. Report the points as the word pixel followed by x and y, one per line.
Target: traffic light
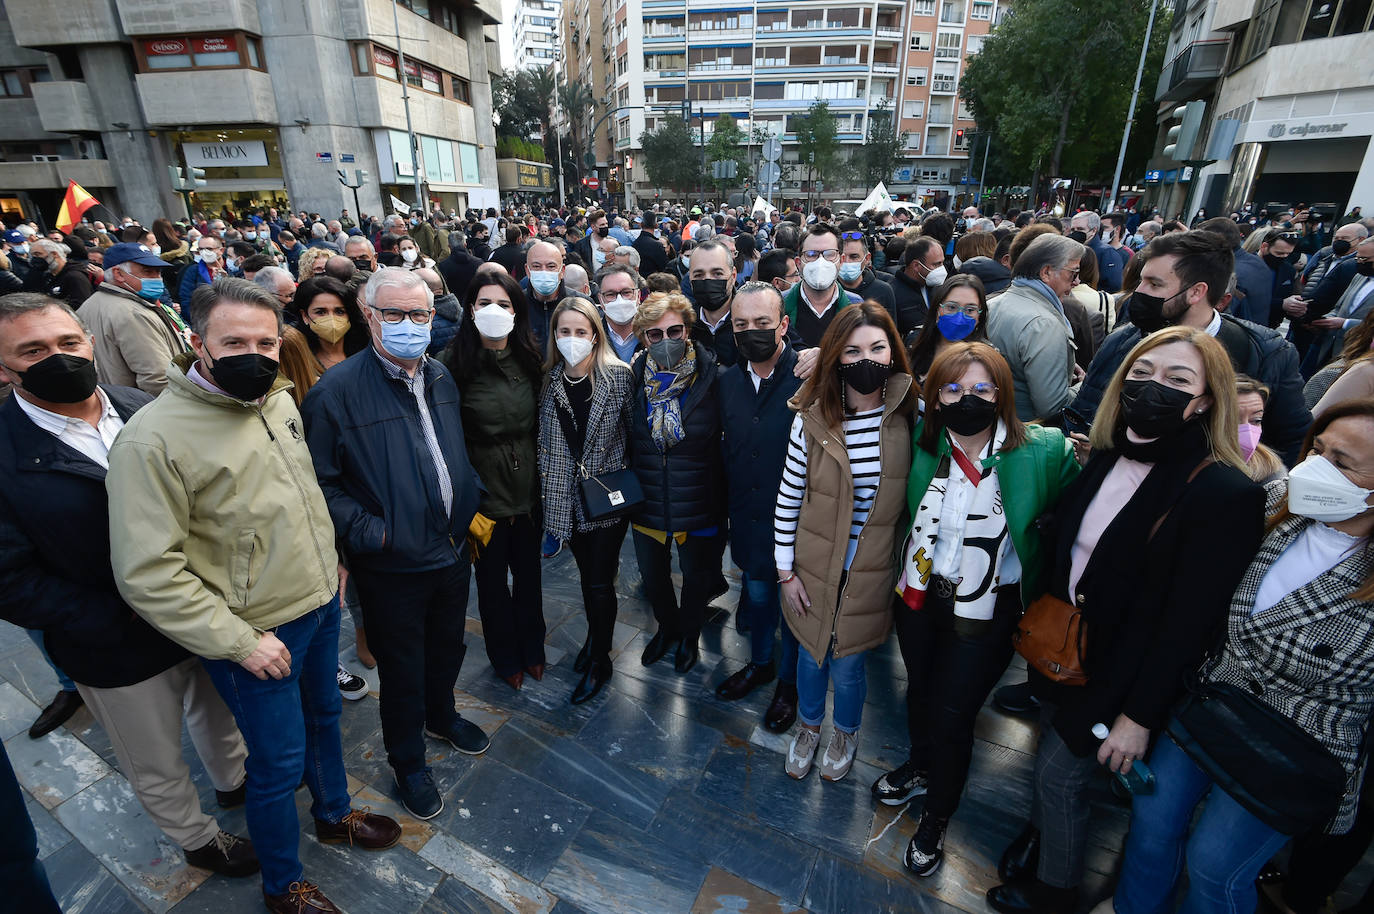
pixel 185 184
pixel 362 176
pixel 959 136
pixel 1183 136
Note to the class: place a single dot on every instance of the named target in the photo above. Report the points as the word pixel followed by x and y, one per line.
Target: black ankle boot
pixel 1022 857
pixel 1032 897
pixel 593 681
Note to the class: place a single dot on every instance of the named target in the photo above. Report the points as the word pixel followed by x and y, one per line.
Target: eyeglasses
pixel 419 316
pixel 950 307
pixel 607 296
pixel 813 256
pixel 953 393
pixel 1073 274
pixel 852 236
pixel 658 334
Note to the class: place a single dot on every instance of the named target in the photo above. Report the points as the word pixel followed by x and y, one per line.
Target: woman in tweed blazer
pixel 592 397
pixel 1300 637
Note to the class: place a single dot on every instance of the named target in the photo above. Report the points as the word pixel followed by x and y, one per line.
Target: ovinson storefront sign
pixel 229 154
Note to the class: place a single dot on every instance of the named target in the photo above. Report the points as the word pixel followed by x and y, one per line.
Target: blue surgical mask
pixel 406 339
pixel 851 271
pixel 954 327
pixel 545 282
pixel 152 289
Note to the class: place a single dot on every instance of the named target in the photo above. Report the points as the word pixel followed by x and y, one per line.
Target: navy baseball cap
pixel 14 236
pixel 131 252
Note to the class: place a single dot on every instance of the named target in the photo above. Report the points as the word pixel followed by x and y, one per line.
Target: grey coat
pixel 1035 338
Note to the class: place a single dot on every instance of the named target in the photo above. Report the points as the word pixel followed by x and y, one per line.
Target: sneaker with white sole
pixel 802 752
pixel 926 849
pixel 839 755
pixel 351 687
pixel 900 784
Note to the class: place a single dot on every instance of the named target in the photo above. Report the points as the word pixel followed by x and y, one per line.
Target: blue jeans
pixel 63 680
pixel 291 726
pixel 763 610
pixel 1224 853
pixel 851 688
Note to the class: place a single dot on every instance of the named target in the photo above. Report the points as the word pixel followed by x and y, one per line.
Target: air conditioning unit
pixel 47 158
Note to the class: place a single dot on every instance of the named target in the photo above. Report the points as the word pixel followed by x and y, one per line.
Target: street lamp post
pixel 405 98
pixel 1130 112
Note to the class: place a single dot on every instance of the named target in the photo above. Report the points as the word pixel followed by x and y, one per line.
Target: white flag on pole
pixel 398 206
pixel 878 200
pixel 762 206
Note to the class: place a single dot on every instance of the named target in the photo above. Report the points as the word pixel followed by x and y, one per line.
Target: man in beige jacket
pixel 135 334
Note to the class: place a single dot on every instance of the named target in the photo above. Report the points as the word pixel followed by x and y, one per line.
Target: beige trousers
pixel 144 724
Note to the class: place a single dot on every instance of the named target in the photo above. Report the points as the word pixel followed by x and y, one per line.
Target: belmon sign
pixel 230 154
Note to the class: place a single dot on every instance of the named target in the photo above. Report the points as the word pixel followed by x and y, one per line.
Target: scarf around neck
pixel 664 391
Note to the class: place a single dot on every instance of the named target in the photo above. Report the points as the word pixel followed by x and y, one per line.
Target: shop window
pixel 374 60
pixel 199 52
pixel 1330 18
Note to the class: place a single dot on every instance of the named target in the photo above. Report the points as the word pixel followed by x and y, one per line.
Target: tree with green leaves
pixel 878 156
pixel 521 110
pixel 671 156
pixel 818 142
pixel 1064 118
pixel 727 145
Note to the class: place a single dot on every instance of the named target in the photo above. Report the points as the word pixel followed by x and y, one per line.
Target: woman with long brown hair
pixel 835 528
pixel 1355 379
pixel 960 311
pixel 980 479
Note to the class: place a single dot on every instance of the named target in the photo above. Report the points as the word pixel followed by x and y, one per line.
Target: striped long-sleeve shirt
pixel 861 440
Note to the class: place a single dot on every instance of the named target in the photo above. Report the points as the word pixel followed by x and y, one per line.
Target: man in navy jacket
pixel 386 439
pixel 755 422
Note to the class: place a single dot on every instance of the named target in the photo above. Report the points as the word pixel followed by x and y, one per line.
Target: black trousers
pixel 952 664
pixel 512 614
pixel 699 558
pixel 415 630
pixel 1320 863
pixel 597 553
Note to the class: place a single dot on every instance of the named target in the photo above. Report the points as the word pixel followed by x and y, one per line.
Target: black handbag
pixel 1268 764
pixel 606 495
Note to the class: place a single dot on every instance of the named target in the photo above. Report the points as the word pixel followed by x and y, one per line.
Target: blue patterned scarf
pixel 664 391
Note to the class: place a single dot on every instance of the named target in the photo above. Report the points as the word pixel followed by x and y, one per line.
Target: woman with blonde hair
pixel 842 496
pixel 584 420
pixel 677 456
pixel 1261 463
pixel 1354 379
pixel 1148 545
pixel 311 263
pixel 298 363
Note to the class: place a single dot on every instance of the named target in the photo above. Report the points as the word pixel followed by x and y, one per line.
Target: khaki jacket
pixel 134 339
pixel 858 618
pixel 218 528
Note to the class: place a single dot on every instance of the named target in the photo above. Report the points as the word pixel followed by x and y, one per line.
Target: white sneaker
pixel 802 752
pixel 352 688
pixel 839 755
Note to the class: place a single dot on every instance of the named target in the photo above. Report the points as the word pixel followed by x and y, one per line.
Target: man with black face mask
pixel 1276 250
pixel 221 539
pixel 712 278
pixel 1184 278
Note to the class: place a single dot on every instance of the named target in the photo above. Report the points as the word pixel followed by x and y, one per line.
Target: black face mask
pixel 865 375
pixel 603 231
pixel 1147 311
pixel 969 416
pixel 60 378
pixel 711 294
pixel 244 377
pixel 1340 247
pixel 363 263
pixel 389 259
pixel 756 345
pixel 1079 235
pixel 1152 410
pixel 1274 261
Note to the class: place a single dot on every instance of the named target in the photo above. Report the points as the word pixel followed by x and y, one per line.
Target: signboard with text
pixel 229 154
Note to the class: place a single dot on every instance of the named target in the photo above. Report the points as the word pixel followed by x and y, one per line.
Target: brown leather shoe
pixel 536 670
pixel 745 681
pixel 782 712
pixel 515 680
pixel 360 828
pixel 301 898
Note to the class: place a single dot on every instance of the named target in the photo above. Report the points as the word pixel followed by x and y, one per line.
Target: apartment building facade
pixel 534 32
pixel 270 97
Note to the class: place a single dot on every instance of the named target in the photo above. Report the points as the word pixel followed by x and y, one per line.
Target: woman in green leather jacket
pixel 971 561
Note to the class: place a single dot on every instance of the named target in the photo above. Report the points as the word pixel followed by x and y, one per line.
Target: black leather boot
pixel 1022 857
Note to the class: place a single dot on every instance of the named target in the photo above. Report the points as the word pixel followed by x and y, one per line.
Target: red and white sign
pixel 429 75
pixel 214 44
pixel 592 182
pixel 383 57
pixel 412 68
pixel 164 46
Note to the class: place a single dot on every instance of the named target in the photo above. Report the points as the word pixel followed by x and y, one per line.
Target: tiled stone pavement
pixel 654 798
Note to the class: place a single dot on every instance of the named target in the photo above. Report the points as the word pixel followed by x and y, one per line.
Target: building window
pixel 16 83
pixel 199 52
pixel 914 109
pixel 1329 18
pixel 981 11
pixel 920 41
pixel 947 44
pixel 952 12
pixel 923 7
pixel 913 142
pixel 1260 34
pixel 374 60
pixel 974 44
pixel 916 76
pixel 462 90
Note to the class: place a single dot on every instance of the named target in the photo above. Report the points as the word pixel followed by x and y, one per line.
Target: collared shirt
pixel 835 296
pixel 93 442
pixel 624 346
pixel 757 378
pixel 701 318
pixel 416 386
pixel 1214 326
pixel 1355 301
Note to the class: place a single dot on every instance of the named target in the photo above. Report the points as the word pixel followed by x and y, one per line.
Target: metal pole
pixel 983 175
pixel 701 180
pixel 1130 112
pixel 405 98
pixel 558 142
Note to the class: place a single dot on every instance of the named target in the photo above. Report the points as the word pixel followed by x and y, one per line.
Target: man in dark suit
pixel 1277 247
pixel 1254 280
pixel 459 266
pixel 653 257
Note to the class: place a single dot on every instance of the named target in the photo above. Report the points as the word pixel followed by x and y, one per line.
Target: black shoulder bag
pixel 607 495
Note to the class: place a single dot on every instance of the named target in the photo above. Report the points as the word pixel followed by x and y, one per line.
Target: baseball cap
pixel 556 222
pixel 15 237
pixel 131 252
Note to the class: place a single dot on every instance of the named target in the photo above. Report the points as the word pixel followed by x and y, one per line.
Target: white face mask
pixel 574 349
pixel 819 274
pixel 937 276
pixel 209 256
pixel 621 310
pixel 409 255
pixel 156 249
pixel 1318 490
pixel 493 321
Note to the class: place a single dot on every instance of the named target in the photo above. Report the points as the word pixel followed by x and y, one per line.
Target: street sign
pixel 324 158
pixel 346 158
pixel 772 150
pixel 769 173
pixel 592 182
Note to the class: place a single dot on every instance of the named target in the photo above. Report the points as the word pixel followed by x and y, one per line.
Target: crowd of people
pixel 1139 454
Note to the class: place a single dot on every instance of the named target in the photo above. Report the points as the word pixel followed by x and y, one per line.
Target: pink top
pixel 1121 483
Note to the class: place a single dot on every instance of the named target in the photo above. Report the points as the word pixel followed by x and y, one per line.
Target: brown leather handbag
pixel 1050 638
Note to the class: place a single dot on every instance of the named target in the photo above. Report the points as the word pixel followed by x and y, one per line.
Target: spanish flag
pixel 74 206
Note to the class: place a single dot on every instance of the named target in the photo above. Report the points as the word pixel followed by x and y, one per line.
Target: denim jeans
pixel 291 727
pixel 1224 853
pixel 415 630
pixel 22 875
pixel 763 609
pixel 63 680
pixel 851 688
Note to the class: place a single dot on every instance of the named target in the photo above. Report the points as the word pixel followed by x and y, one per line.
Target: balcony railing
pixel 1195 67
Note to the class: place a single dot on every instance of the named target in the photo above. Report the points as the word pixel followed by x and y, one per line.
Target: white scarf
pixel 970 547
